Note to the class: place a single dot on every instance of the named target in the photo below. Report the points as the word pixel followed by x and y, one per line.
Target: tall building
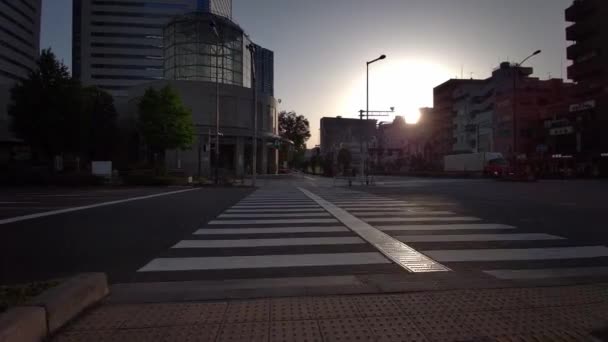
pixel 589 70
pixel 19 50
pixel 119 44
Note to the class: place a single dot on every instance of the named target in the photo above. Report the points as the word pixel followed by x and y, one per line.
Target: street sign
pixel 561 131
pixel 579 107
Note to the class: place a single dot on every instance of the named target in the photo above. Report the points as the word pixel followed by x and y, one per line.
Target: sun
pixel 405 84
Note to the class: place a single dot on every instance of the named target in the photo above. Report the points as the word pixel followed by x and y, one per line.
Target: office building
pixel 118 44
pixel 264 70
pixel 587 117
pixel 19 50
pixel 351 134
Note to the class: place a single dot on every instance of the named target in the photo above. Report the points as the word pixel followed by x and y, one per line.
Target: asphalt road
pixel 116 239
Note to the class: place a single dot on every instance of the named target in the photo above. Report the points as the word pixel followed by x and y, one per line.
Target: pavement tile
pixel 345 329
pixel 104 318
pixel 440 327
pixel 546 336
pixel 376 306
pixel 244 332
pixel 334 307
pixel 248 311
pixel 423 303
pixel 562 296
pixel 494 299
pixel 84 336
pixel 584 317
pixel 394 329
pixel 158 315
pixel 295 331
pixel 191 333
pixel 289 309
pixel 515 323
pixel 138 335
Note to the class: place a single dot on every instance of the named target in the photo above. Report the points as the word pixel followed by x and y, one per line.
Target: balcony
pixel 591 68
pixel 580 31
pixel 575 50
pixel 579 10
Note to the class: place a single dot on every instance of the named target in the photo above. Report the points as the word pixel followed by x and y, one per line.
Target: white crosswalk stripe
pixel 294 215
pixel 268 242
pixel 280 230
pixel 477 237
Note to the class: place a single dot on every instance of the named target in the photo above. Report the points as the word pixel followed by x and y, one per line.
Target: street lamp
pixel 515 77
pixel 254 147
pixel 217 99
pixel 367 110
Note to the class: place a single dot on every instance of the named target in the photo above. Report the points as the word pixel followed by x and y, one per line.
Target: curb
pixel 50 311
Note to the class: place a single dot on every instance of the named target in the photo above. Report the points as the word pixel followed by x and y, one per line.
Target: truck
pixel 489 163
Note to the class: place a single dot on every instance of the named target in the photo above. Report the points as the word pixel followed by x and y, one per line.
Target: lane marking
pixel 549 273
pixel 307 206
pixel 366 214
pixel 269 242
pixel 263 261
pixel 395 250
pixel 382 209
pixel 281 230
pixel 421 219
pixel 287 221
pixel 478 237
pixel 92 206
pixel 294 215
pixel 373 207
pixel 555 253
pixel 469 226
pixel 278 211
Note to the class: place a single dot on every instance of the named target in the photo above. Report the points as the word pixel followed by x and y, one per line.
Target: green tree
pixel 45 111
pixel 100 130
pixel 165 123
pixel 296 128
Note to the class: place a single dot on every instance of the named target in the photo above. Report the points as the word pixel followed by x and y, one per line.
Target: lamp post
pixel 254 147
pixel 367 111
pixel 217 100
pixel 515 77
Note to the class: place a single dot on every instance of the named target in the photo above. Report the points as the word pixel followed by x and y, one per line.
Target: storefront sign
pixel 579 107
pixel 561 131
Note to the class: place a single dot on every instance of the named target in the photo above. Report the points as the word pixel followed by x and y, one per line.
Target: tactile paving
pixel 394 329
pixel 244 332
pixel 375 306
pixel 585 317
pixel 103 318
pixel 561 296
pixel 192 333
pixel 334 307
pixel 295 331
pixel 438 327
pixel 84 336
pixel 248 311
pixel 345 329
pixel 493 300
pixel 138 335
pixel 157 315
pixel 289 309
pixel 416 304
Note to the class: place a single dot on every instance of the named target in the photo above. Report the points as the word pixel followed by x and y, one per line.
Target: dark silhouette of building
pixel 588 113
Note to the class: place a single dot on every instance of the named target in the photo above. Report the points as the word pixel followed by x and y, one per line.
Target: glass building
pixel 201 46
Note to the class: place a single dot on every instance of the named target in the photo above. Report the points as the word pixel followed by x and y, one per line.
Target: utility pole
pixel 254 147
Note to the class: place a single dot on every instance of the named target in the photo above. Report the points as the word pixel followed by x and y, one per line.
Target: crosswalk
pixel 336 231
pixel 467 242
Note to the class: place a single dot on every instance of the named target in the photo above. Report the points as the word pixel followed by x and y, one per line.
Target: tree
pixel 344 159
pixel 296 128
pixel 165 123
pixel 100 129
pixel 45 108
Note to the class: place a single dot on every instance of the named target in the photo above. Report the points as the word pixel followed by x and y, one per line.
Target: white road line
pixel 478 237
pixel 468 226
pixel 281 230
pixel 294 215
pixel 372 206
pixel 549 273
pixel 263 261
pixel 365 214
pixel 288 221
pixel 382 203
pixel 269 211
pixel 98 205
pixel 275 206
pixel 555 253
pixel 400 253
pixel 421 219
pixel 269 242
pixel 379 209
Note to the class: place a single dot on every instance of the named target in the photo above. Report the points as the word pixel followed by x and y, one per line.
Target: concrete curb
pixel 47 313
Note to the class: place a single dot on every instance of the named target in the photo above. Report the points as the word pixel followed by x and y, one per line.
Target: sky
pixel 321 47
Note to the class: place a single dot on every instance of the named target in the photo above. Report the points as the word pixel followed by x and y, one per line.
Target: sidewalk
pixel 568 313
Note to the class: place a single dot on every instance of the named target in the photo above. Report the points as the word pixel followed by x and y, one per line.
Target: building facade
pixel 264 70
pixel 354 135
pixel 585 123
pixel 119 44
pixel 19 50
